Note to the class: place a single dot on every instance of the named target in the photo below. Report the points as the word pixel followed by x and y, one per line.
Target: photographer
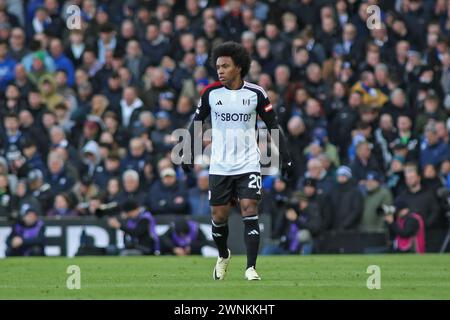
pixel 139 227
pixel 28 235
pixel 183 238
pixel 297 228
pixel 407 229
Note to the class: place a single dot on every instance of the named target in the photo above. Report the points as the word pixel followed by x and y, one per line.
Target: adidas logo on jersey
pixel 253 232
pixel 219 103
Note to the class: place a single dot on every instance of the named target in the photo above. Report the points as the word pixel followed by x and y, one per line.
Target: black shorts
pixel 242 186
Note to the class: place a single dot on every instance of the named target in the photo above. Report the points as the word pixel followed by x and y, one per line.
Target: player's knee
pixel 249 209
pixel 219 216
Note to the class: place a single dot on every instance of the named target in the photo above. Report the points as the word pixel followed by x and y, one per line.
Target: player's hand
pixel 187 164
pixel 287 169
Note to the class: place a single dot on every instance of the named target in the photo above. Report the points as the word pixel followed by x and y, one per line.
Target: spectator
pixel 315 170
pixel 7 66
pixel 131 189
pixel 183 238
pixel 433 150
pixel 57 176
pixel 432 111
pixel 27 237
pixel 297 227
pixel 376 197
pixel 198 196
pixel 168 196
pixel 420 200
pixel 347 201
pixel 364 162
pixel 62 207
pixel 39 190
pixel 275 201
pixel 140 230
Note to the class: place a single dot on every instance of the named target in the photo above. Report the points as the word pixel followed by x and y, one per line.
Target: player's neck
pixel 235 84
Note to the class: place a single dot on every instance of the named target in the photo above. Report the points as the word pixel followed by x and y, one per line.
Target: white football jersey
pixel 234 148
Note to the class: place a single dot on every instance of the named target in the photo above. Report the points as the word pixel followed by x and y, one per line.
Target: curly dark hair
pixel 236 52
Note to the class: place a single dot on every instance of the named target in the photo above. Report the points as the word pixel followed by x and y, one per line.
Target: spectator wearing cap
pixel 107 41
pixel 48 90
pixel 63 206
pixel 39 190
pixel 183 238
pixel 27 237
pixel 166 101
pixel 91 159
pixel 375 198
pixel 320 138
pixel 364 162
pixel 140 236
pixel 346 200
pixel 168 196
pixel 131 188
pixel 432 111
pixel 199 196
pixel 17 163
pixel 433 150
pixel 406 229
pixel 161 136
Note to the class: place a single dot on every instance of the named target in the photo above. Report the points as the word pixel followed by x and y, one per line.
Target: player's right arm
pixel 201 113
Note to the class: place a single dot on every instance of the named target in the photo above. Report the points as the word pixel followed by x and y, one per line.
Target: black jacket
pixel 348 204
pixel 424 203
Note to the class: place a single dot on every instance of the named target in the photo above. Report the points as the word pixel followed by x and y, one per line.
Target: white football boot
pixel 250 274
pixel 221 267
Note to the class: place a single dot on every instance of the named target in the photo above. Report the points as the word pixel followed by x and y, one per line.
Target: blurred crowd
pixel 87 114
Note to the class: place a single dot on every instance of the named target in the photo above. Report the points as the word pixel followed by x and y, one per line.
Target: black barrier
pixel 63 235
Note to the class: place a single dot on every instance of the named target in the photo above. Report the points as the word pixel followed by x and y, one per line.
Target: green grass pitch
pixel 283 277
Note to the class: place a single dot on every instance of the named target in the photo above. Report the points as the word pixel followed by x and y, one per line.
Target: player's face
pixel 227 71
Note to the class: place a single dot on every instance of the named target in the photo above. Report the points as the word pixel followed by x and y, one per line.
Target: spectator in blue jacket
pixel 7 66
pixel 168 196
pixel 433 150
pixel 62 62
pixel 198 196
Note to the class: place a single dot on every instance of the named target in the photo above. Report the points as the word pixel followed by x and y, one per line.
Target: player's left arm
pixel 268 115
